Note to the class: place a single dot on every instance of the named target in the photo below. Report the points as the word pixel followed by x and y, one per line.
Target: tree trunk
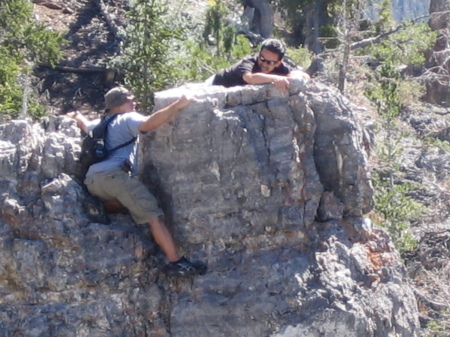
pixel 437 76
pixel 343 68
pixel 437 20
pixel 316 17
pixel 263 17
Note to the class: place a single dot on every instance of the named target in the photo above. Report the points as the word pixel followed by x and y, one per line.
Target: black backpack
pixel 93 149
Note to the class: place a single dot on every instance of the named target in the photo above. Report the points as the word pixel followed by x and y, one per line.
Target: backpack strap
pixel 122 145
pixel 108 152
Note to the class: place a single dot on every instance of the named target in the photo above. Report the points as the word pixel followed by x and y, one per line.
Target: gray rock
pixel 241 174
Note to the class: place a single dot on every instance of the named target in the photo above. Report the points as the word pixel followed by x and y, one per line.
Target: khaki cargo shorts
pixel 117 185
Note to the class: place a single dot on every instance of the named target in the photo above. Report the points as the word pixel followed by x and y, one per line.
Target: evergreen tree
pixel 23 44
pixel 214 25
pixel 385 20
pixel 216 48
pixel 348 23
pixel 390 90
pixel 146 51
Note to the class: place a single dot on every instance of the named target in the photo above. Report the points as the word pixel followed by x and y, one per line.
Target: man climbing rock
pixel 114 179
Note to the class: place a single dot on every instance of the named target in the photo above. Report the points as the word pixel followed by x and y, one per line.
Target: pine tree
pixel 385 20
pixel 223 35
pixel 146 50
pixel 24 43
pixel 348 23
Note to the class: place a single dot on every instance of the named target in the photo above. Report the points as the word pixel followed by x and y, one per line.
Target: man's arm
pixel 82 122
pixel 261 78
pixel 280 82
pixel 163 115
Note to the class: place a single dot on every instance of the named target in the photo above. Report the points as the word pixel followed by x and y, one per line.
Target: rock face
pixel 268 188
pixel 409 9
pixel 402 9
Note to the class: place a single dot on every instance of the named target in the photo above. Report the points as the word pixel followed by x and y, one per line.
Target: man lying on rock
pixel 263 68
pixel 113 180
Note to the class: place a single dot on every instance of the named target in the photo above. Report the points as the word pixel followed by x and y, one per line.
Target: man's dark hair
pixel 275 46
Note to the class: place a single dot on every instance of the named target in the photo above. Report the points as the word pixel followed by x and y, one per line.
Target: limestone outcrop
pixel 268 188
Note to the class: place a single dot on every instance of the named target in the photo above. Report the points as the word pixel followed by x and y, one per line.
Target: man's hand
pixel 184 101
pixel 82 122
pixel 163 115
pixel 281 83
pixel 73 114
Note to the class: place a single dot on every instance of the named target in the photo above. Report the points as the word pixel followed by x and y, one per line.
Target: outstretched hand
pixel 184 101
pixel 163 115
pixel 72 114
pixel 281 83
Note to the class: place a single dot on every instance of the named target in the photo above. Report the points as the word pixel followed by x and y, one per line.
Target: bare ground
pixel 80 80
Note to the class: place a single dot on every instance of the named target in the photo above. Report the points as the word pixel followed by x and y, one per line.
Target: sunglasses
pixel 263 59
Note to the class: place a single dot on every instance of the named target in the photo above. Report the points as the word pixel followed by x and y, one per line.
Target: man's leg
pixel 178 266
pixel 143 206
pixel 164 239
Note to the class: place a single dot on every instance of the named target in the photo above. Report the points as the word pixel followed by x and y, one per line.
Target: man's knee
pixel 112 206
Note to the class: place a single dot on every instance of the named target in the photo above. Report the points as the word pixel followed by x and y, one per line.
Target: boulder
pixel 268 188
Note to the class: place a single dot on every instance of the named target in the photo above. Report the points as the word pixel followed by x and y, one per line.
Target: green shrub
pixel 301 56
pixel 199 62
pixel 146 58
pixel 392 198
pixel 409 91
pixel 436 142
pixel 330 37
pixel 23 44
pixel 398 209
pixel 407 46
pixel 441 327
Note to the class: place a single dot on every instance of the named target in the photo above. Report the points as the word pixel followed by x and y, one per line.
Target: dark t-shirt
pixel 232 76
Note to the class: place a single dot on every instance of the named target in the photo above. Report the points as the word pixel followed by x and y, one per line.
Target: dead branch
pixel 81 70
pixel 110 20
pixel 430 302
pixel 377 39
pixel 439 13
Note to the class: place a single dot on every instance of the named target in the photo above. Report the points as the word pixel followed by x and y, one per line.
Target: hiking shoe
pixel 184 267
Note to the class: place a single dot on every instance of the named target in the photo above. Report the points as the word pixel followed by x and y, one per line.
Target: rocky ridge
pixel 239 174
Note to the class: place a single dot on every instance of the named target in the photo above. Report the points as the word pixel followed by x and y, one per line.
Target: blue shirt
pixel 120 130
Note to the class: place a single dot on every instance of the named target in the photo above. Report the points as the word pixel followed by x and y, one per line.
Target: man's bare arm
pixel 82 122
pixel 261 78
pixel 163 115
pixel 280 82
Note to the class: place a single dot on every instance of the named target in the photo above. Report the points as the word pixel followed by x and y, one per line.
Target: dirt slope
pixel 79 81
